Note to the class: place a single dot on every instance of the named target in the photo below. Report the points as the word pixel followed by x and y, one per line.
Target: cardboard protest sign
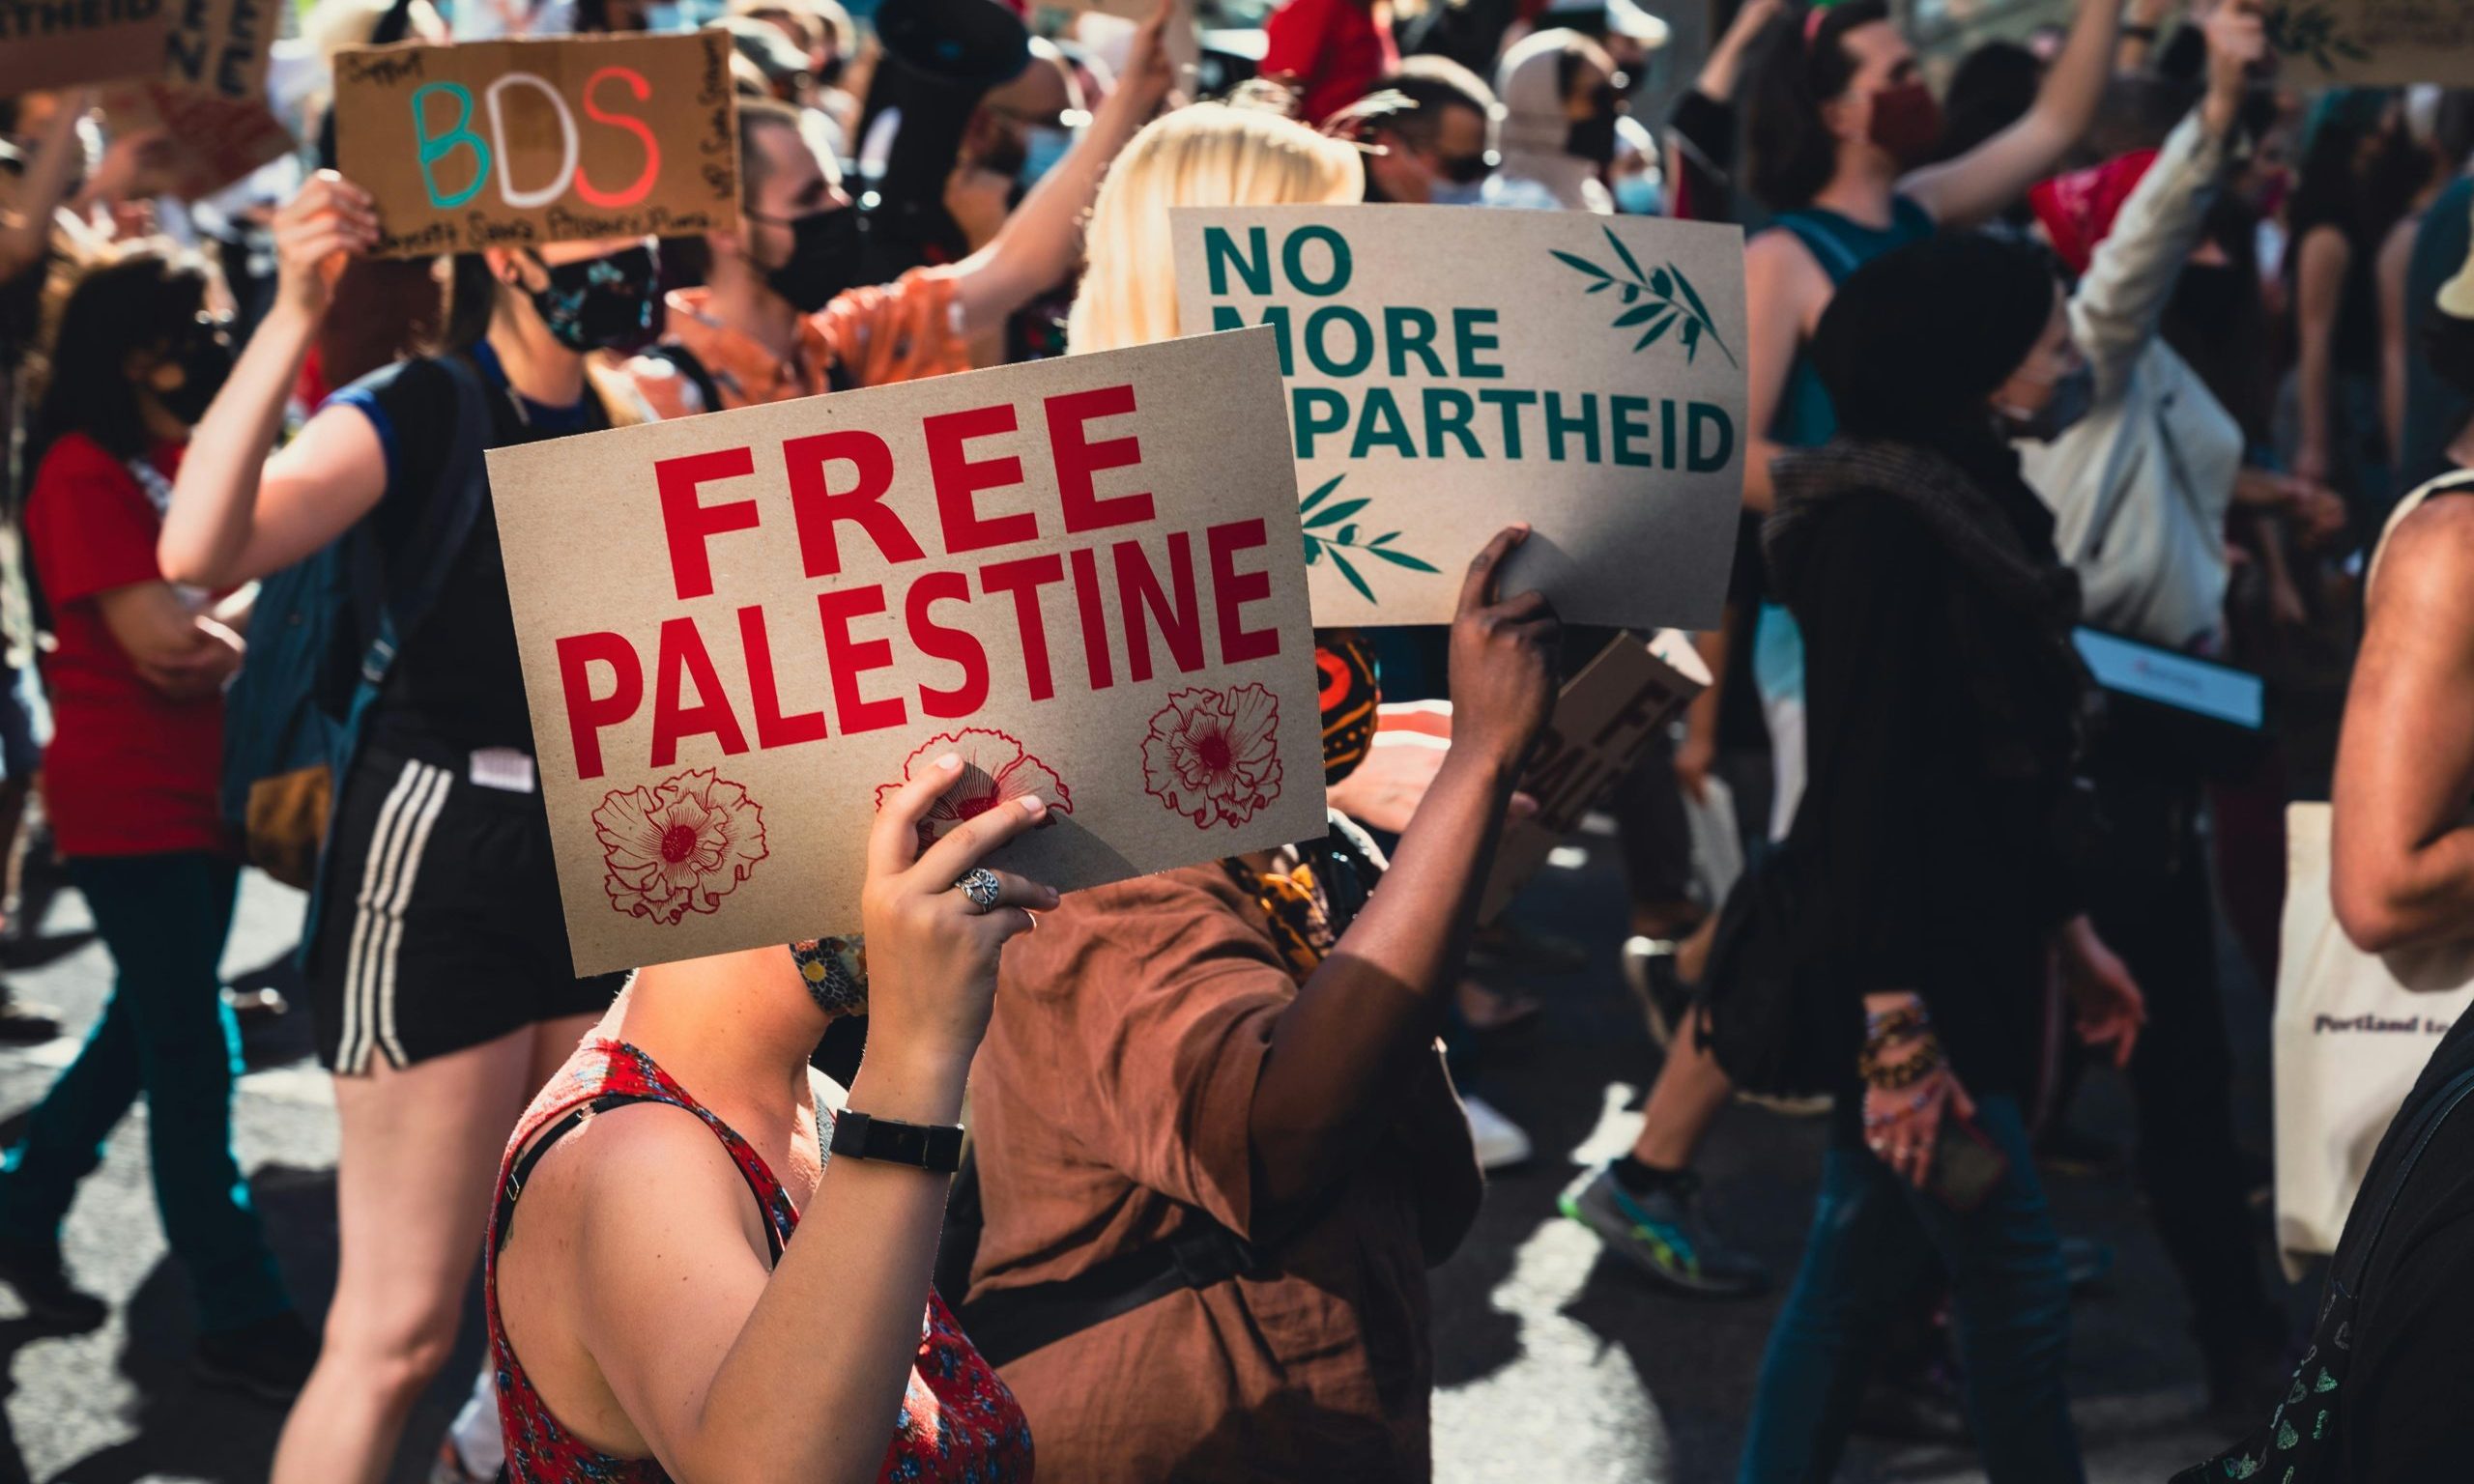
pixel 2375 42
pixel 1452 370
pixel 1604 722
pixel 739 630
pixel 211 140
pixel 221 46
pixel 515 143
pixel 59 44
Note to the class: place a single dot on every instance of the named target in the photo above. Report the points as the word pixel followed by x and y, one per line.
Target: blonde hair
pixel 1208 155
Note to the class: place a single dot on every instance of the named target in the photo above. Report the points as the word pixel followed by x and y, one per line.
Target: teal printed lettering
pixel 438 147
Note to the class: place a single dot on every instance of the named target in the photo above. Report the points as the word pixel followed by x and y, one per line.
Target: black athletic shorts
pixel 440 927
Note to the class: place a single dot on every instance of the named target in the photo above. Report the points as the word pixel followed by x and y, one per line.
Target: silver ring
pixel 981 886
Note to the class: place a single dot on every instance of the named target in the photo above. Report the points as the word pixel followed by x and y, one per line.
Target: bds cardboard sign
pixel 515 143
pixel 1604 721
pixel 1451 370
pixel 739 630
pixel 2374 43
pixel 64 42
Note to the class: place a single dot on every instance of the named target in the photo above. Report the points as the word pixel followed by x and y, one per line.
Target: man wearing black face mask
pixel 780 315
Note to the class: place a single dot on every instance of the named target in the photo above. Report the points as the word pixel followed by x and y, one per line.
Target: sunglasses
pixel 1465 169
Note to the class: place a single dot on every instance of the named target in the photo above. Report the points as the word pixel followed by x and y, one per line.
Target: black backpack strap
pixel 1012 1323
pixel 683 362
pixel 420 571
pixel 503 1214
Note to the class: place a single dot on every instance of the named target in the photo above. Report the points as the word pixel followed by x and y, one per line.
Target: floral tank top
pixel 958 1421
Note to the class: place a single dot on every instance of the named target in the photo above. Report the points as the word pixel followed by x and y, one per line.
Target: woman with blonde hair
pixel 1262 1152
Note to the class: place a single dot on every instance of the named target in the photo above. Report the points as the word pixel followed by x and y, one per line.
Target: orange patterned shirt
pixel 898 332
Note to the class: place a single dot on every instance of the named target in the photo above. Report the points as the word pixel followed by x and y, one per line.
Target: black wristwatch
pixel 937 1147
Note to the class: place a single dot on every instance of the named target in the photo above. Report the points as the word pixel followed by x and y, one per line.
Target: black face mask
pixel 824 260
pixel 604 303
pixel 1593 139
pixel 204 360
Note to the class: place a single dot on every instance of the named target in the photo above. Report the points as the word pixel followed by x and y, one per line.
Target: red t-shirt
pixel 1334 50
pixel 131 771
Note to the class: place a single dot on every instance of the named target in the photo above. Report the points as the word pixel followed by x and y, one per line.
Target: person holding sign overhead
pixel 780 316
pixel 648 1320
pixel 1263 1153
pixel 440 981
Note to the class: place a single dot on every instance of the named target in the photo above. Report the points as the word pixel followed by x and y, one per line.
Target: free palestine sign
pixel 1451 370
pixel 739 630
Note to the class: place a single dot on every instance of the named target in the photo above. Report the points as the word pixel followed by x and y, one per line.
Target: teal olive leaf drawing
pixel 2308 28
pixel 1323 541
pixel 1657 301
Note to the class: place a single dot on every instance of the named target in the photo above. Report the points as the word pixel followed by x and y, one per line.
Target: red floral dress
pixel 958 1423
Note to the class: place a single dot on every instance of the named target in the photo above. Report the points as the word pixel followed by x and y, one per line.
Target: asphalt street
pixel 1553 1364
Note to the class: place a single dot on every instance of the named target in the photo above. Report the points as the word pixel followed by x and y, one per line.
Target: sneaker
pixel 39 1275
pixel 1501 1142
pixel 1662 1233
pixel 270 1359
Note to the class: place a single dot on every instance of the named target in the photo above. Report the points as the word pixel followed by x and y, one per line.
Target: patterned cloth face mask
pixel 605 303
pixel 835 971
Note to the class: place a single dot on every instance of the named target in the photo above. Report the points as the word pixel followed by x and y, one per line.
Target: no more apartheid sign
pixel 739 630
pixel 1451 370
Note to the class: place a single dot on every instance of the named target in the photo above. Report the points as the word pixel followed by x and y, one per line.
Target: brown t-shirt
pixel 1111 1098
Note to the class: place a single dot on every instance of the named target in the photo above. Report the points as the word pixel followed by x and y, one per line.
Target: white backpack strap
pixel 2459 483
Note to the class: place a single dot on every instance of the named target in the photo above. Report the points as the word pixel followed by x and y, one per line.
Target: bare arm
pixel 729 1373
pixel 2318 296
pixel 1042 242
pixel 1725 68
pixel 1971 189
pixel 2396 257
pixel 1784 291
pixel 45 184
pixel 236 513
pixel 1362 1019
pixel 2403 872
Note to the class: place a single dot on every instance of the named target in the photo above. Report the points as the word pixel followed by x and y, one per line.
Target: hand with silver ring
pixel 982 887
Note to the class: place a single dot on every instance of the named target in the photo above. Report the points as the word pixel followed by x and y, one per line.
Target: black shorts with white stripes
pixel 441 929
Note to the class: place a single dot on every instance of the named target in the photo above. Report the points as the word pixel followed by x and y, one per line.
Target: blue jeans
pixel 165 1033
pixel 1873 1235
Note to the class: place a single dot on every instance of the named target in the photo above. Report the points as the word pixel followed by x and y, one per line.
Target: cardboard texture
pixel 513 143
pixel 213 140
pixel 2377 43
pixel 1452 370
pixel 65 43
pixel 736 629
pixel 1604 722
pixel 221 46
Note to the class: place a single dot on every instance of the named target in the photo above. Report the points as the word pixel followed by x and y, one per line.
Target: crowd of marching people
pixel 2114 329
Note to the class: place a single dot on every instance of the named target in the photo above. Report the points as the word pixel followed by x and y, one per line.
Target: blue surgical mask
pixel 1456 192
pixel 1638 195
pixel 1043 146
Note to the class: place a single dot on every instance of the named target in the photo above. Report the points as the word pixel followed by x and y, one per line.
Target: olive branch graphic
pixel 1322 541
pixel 2307 28
pixel 1660 301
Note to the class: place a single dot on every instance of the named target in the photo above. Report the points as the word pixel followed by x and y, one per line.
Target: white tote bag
pixel 2353 1031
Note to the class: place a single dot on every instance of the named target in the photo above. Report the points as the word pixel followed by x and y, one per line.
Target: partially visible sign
pixel 2374 43
pixel 1604 722
pixel 221 47
pixel 515 143
pixel 740 631
pixel 59 44
pixel 1451 370
pixel 209 140
pixel 2217 692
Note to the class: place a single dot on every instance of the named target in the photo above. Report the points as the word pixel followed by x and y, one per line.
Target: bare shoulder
pixel 621 1155
pixel 1780 257
pixel 2426 572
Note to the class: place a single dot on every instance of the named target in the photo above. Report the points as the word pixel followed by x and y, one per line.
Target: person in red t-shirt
pixel 136 676
pixel 1331 52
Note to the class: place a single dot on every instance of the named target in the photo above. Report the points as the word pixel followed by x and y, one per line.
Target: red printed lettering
pixel 682 658
pixel 851 657
pixel 1024 579
pixel 959 480
pixel 1095 624
pixel 690 524
pixel 642 184
pixel 772 729
pixel 588 713
pixel 1138 592
pixel 1232 591
pixel 1079 458
pixel 957 648
pixel 817 506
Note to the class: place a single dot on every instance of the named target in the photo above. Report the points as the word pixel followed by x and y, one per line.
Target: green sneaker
pixel 1662 1234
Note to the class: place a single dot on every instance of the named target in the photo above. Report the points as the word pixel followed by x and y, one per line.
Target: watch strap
pixel 937 1147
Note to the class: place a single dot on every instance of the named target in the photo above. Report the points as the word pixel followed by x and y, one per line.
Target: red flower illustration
pixel 1214 756
pixel 680 846
pixel 995 770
